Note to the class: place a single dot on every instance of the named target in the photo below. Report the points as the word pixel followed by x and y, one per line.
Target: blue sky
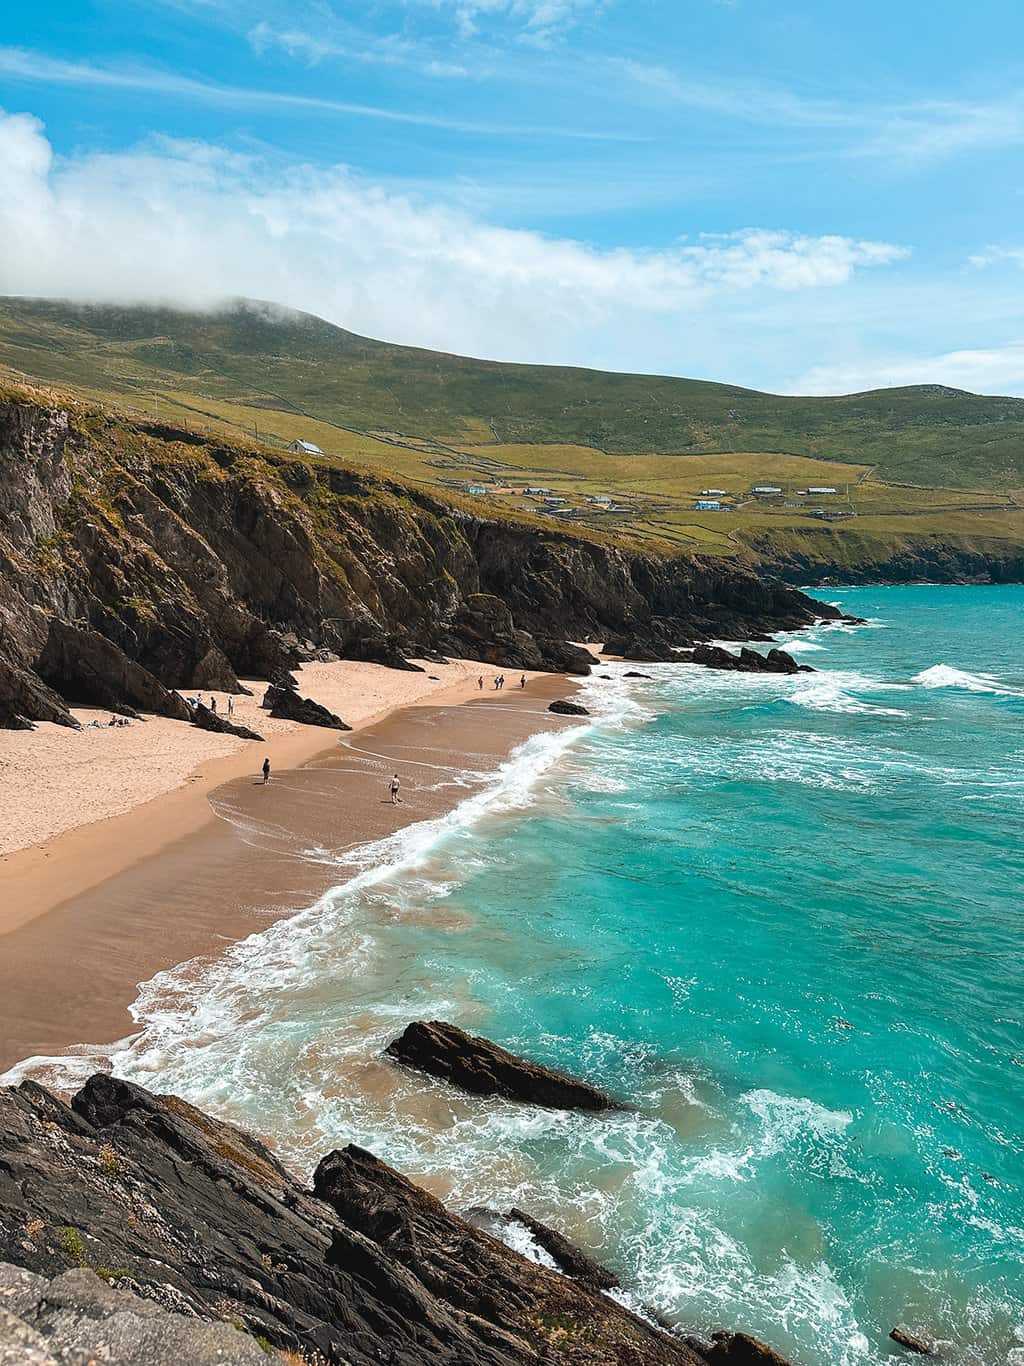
pixel 795 196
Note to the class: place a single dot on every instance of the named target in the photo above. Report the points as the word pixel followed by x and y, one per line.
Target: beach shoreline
pixel 101 907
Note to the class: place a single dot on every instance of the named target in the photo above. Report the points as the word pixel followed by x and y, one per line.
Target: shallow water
pixel 779 915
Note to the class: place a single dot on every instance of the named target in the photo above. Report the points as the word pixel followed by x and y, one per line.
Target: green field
pixel 923 461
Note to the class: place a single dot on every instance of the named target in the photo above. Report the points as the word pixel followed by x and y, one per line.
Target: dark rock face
pixel 139 559
pixel 79 1317
pixel 747 661
pixel 485 1069
pixel 563 708
pixel 572 1261
pixel 198 1218
pixel 287 704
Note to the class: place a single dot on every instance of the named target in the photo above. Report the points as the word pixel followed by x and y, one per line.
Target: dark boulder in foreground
pixel 568 709
pixel 912 1342
pixel 200 1219
pixel 286 704
pixel 747 661
pixel 485 1069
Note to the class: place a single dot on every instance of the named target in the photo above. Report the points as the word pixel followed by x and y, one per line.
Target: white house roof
pixel 306 446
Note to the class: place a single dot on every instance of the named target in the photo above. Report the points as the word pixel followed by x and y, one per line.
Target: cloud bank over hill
pixel 194 223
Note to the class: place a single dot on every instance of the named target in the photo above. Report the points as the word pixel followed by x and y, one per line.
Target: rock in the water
pixel 197 1218
pixel 747 661
pixel 485 1069
pixel 206 719
pixel 286 704
pixel 573 1261
pixel 632 673
pixel 912 1342
pixel 740 1349
pixel 568 709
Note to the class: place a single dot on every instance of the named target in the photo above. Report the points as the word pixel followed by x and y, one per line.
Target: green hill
pixel 922 461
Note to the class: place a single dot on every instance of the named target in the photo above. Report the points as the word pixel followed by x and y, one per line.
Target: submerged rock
pixel 740 1349
pixel 912 1342
pixel 485 1069
pixel 568 709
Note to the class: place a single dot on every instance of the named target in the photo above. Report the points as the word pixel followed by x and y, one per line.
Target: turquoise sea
pixel 781 916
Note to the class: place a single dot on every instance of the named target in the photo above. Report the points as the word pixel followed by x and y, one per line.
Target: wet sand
pixel 68 977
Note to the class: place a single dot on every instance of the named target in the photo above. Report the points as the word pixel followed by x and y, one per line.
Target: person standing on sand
pixel 213 704
pixel 231 706
pixel 266 770
pixel 480 682
pixel 395 786
pixel 522 680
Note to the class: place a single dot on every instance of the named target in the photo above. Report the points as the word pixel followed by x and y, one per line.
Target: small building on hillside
pixel 553 501
pixel 475 488
pixel 765 489
pixel 713 493
pixel 708 505
pixel 822 488
pixel 601 499
pixel 305 448
pixel 537 492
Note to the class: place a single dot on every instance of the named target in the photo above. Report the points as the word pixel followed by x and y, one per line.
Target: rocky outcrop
pixel 285 703
pixel 747 661
pixel 562 708
pixel 136 560
pixel 485 1069
pixel 197 1218
pixel 206 719
pixel 79 1317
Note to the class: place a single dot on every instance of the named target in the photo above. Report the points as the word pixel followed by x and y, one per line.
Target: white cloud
pixel 540 19
pixel 24 65
pixel 194 224
pixel 987 370
pixel 350 45
pixel 992 256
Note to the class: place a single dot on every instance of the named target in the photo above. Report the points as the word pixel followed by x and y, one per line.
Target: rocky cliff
pixel 137 558
pixel 201 1222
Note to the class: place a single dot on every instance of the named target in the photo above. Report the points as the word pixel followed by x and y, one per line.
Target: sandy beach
pixel 133 872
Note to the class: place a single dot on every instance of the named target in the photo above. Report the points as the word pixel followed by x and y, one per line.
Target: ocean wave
pixel 945 676
pixel 828 692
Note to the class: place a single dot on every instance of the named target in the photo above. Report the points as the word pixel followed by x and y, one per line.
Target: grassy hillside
pixel 922 461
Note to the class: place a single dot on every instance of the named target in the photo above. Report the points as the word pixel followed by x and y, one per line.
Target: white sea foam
pixel 945 676
pixel 832 693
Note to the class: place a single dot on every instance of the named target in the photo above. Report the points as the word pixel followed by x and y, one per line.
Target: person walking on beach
pixel 266 770
pixel 213 704
pixel 231 706
pixel 522 680
pixel 395 786
pixel 480 682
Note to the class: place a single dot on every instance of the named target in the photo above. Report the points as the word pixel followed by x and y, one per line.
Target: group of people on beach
pixel 197 701
pixel 499 682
